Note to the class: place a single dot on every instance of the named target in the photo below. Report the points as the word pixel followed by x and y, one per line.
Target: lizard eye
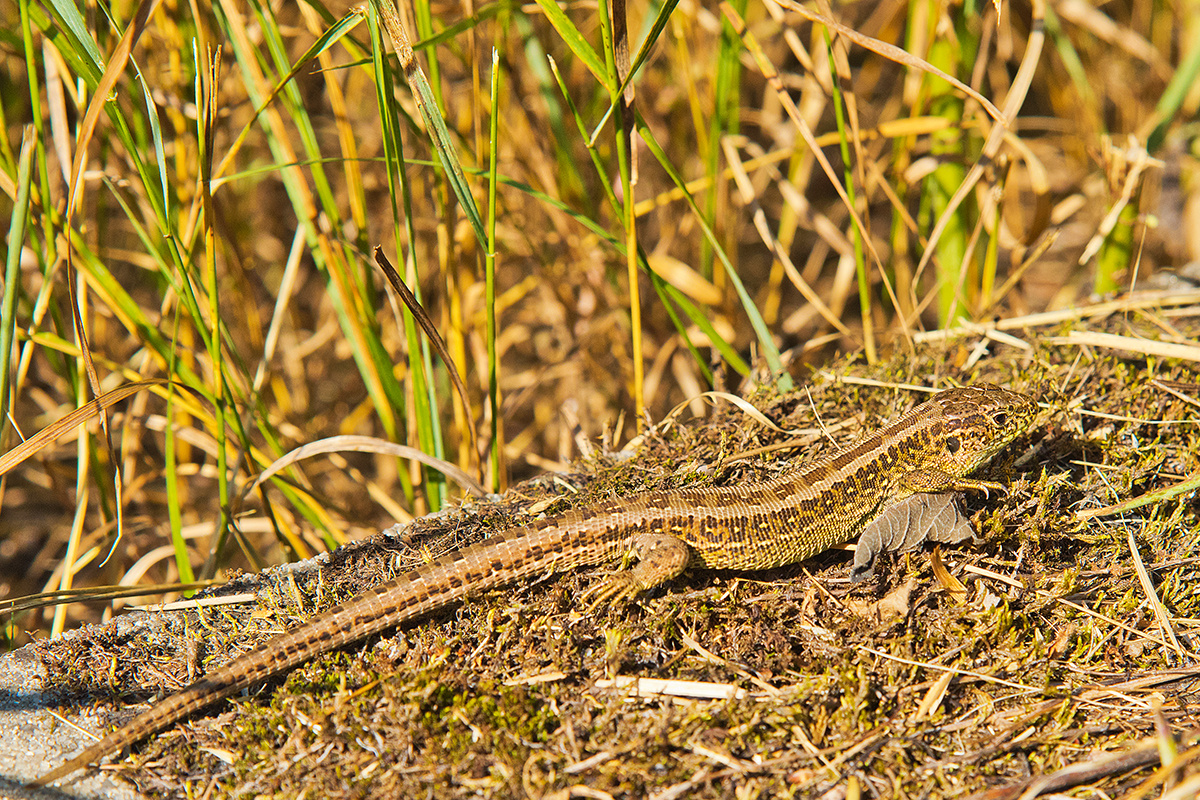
pixel 952 444
pixel 1001 418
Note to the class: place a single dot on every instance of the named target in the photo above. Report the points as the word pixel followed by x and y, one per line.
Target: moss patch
pixel 1051 652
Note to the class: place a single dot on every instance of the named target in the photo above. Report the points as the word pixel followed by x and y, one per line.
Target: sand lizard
pixel 891 487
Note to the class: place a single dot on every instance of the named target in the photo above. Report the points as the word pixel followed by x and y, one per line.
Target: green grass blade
pixel 489 266
pixel 1181 83
pixel 657 26
pixel 452 32
pixel 726 100
pixel 570 179
pixel 860 261
pixel 12 268
pixel 171 473
pixel 576 42
pixel 159 151
pixel 765 340
pixel 664 289
pixel 330 37
pixel 81 52
pixel 422 420
pixel 435 125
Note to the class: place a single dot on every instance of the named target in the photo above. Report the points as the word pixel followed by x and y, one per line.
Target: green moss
pixel 497 697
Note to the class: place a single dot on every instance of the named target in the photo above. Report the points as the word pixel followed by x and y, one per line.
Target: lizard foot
pixel 935 481
pixel 660 558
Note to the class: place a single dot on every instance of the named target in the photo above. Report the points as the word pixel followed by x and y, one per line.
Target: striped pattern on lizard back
pixel 931 449
pixel 807 511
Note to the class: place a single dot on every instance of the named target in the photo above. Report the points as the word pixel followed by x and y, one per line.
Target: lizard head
pixel 980 420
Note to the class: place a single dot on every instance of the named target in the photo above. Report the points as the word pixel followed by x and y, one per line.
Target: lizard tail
pixel 501 559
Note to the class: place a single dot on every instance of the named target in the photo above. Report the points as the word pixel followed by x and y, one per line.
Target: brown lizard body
pixel 915 464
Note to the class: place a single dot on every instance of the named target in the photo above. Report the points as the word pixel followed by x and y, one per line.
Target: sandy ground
pixel 32 739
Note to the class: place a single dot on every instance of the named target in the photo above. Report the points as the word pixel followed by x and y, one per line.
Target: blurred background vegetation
pixel 199 190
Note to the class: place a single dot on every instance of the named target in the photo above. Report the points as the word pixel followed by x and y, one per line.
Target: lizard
pixel 892 487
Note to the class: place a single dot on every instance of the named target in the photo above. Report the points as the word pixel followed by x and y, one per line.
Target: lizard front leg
pixel 935 481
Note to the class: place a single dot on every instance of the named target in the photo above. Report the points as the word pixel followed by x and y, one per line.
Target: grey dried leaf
pixel 908 523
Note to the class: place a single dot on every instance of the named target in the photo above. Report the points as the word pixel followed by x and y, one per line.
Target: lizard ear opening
pixel 1000 418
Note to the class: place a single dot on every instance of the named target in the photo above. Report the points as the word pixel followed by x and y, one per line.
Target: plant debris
pixel 1051 665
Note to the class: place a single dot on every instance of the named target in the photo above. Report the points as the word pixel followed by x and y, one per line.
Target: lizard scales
pixel 927 452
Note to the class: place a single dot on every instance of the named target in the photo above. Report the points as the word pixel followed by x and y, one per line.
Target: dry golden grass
pixel 278 177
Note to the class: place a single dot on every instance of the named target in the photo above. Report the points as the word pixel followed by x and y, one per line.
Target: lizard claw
pixel 660 557
pixel 619 587
pixel 963 484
